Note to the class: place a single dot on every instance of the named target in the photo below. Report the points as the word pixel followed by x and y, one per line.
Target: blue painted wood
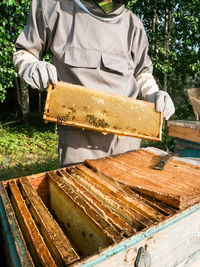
pixel 186 143
pixel 139 237
pixel 187 152
pixel 14 258
pixel 16 248
pixel 186 148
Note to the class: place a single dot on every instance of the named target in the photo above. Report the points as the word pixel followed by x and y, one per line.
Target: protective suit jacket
pixel 104 55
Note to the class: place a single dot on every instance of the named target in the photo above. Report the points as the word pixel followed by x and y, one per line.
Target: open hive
pixel 69 214
pixel 87 108
pixel 66 215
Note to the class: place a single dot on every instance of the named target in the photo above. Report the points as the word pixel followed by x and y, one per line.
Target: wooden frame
pixel 38 248
pixel 146 117
pixel 177 185
pixel 15 245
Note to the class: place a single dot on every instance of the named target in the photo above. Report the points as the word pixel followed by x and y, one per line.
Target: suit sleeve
pixel 140 48
pixel 143 64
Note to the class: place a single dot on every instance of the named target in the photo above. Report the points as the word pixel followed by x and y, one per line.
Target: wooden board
pixel 58 244
pixel 38 248
pixel 170 243
pixel 135 218
pixel 17 253
pixel 122 194
pixel 118 223
pixel 87 108
pixel 88 230
pixel 178 184
pixel 186 148
pixel 189 130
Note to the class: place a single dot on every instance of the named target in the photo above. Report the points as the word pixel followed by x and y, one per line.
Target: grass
pixel 26 150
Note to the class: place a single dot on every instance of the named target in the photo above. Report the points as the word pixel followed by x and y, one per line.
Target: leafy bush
pixel 13 16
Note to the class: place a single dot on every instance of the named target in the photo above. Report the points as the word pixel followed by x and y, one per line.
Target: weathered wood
pixel 58 244
pixel 133 217
pixel 174 169
pixel 189 130
pixel 185 124
pixel 118 223
pixel 177 185
pixel 40 184
pixel 156 204
pixel 187 149
pixel 159 207
pixel 118 191
pixel 17 252
pixel 169 243
pixel 88 229
pixel 136 180
pixel 182 144
pixel 100 111
pixel 38 248
pixel 192 261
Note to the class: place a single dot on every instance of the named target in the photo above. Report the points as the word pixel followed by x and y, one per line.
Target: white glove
pixel 149 90
pixel 163 103
pixel 38 74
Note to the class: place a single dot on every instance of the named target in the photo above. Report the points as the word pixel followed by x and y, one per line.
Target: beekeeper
pixel 98 44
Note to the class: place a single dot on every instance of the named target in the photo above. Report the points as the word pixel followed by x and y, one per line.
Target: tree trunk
pixel 168 24
pixel 166 45
pixel 154 23
pixel 23 99
pixel 40 101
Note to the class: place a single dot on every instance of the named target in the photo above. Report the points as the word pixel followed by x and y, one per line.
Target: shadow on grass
pixel 37 167
pixel 35 122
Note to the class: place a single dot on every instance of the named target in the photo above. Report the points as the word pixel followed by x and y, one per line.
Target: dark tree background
pixel 173 29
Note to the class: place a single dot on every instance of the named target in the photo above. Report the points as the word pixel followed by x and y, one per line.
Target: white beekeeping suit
pixel 103 50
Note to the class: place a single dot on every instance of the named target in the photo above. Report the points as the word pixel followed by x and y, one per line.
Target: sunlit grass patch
pixel 28 149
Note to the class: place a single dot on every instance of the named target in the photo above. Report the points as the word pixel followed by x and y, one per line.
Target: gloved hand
pixel 39 74
pixel 163 103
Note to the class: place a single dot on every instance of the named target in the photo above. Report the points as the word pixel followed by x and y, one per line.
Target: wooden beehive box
pixel 188 130
pixel 79 216
pixel 187 137
pixel 86 108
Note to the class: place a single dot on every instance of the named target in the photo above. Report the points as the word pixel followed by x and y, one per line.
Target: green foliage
pixel 174 52
pixel 27 149
pixel 173 30
pixel 12 20
pixel 182 37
